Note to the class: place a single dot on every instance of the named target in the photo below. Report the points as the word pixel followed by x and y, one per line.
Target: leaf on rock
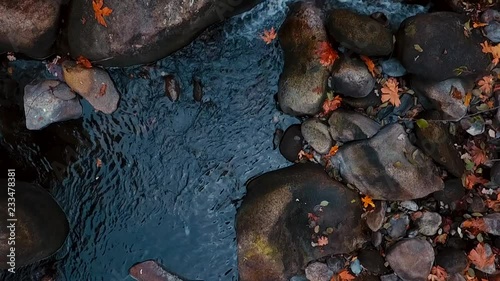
pixel 493 50
pixel 418 48
pixel 333 151
pixel 474 225
pixel 369 63
pixel 101 12
pixel 467 99
pixel 472 180
pixel 486 84
pixel 322 241
pixel 422 123
pixel 327 55
pixel 331 104
pixel 83 61
pixel 344 275
pixel 390 92
pixel 437 274
pixel 269 35
pixel 367 201
pixel 478 24
pixel 477 154
pixel 455 93
pixel 479 257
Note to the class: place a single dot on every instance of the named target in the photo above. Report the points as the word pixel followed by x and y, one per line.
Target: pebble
pixel 318 271
pixel 429 223
pixel 409 205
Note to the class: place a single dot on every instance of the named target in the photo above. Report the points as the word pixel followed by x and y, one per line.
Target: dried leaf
pixel 479 257
pixel 437 274
pixel 472 180
pixel 305 155
pixel 81 60
pixel 455 93
pixel 327 55
pixel 367 201
pixel 474 225
pixel 422 123
pixel 494 50
pixel 331 104
pixel 467 99
pixel 333 151
pixel 101 12
pixel 477 154
pixel 269 35
pixel 345 275
pixel 369 63
pixel 322 241
pixel 418 48
pixel 486 84
pixel 479 24
pixel 390 92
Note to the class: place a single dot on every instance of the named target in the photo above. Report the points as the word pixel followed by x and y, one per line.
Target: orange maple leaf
pixel 437 274
pixel 478 24
pixel 474 225
pixel 478 155
pixel 467 99
pixel 471 180
pixel 331 104
pixel 369 63
pixel 390 92
pixel 344 275
pixel 494 204
pixel 486 84
pixel 322 241
pixel 101 12
pixel 81 60
pixel 493 50
pixel 333 151
pixel 367 201
pixel 327 55
pixel 269 35
pixel 479 257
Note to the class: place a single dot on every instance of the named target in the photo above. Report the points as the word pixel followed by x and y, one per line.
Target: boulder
pixel 388 167
pixel 154 30
pixel 434 46
pixel 411 259
pixel 151 271
pixel 452 260
pixel 392 67
pixel 351 78
pixel 452 193
pixel 348 126
pixel 41 227
pixel 48 102
pixel 440 95
pixel 291 143
pixel 93 84
pixel 492 31
pixel 370 100
pixel 360 33
pixel 302 84
pixel 316 135
pixel 29 26
pixel 283 216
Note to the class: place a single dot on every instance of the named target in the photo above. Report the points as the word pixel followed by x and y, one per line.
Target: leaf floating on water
pixel 269 35
pixel 418 48
pixel 422 123
pixel 324 203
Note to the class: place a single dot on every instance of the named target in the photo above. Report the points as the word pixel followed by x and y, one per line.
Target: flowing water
pixel 173 173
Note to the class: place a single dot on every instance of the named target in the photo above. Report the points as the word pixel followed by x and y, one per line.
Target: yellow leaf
pixel 468 98
pixel 367 201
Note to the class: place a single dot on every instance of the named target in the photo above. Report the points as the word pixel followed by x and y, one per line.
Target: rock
pixel 351 78
pixel 302 84
pixel 456 277
pixel 433 46
pixel 172 87
pixel 440 95
pixel 348 126
pixel 495 173
pixel 375 219
pixel 373 261
pixel 360 33
pixel 316 135
pixel 318 271
pixel 398 226
pixel 453 260
pixel 29 26
pixel 492 31
pixel 409 205
pixel 41 227
pixel 48 102
pixel 428 224
pixel 151 271
pixel 291 143
pixel 492 223
pixel 92 84
pixel 388 167
pixel 376 239
pixel 371 100
pixel 392 67
pixel 274 240
pixel 436 141
pixel 411 259
pixel 197 89
pixel 336 264
pixel 153 31
pixel 390 277
pixel 452 193
pixel 476 204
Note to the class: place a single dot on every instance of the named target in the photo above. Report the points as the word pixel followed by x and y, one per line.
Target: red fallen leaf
pixel 327 55
pixel 479 257
pixel 331 104
pixel 369 63
pixel 478 24
pixel 83 61
pixel 269 35
pixel 471 180
pixel 390 92
pixel 437 274
pixel 322 241
pixel 101 12
pixel 312 217
pixel 474 225
pixel 478 155
pixel 344 275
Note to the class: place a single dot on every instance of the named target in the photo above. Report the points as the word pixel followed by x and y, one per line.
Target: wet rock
pixel 377 239
pixel 440 95
pixel 411 259
pixel 360 33
pixel 41 226
pixel 277 137
pixel 390 277
pixel 375 219
pixel 492 223
pixel 456 277
pixel 275 240
pixel 392 67
pixel 452 193
pixel 437 142
pixel 388 167
pixel 442 46
pixel 409 205
pixel 302 84
pixel 398 226
pixel 172 87
pixel 318 271
pixel 370 100
pixel 350 77
pixel 151 271
pixel 48 102
pixel 476 204
pixel 153 31
pixel 29 26
pixel 428 224
pixel 495 173
pixel 453 260
pixel 336 264
pixel 197 89
pixel 316 135
pixel 373 261
pixel 92 84
pixel 348 126
pixel 291 143
pixel 492 31
pixel 490 15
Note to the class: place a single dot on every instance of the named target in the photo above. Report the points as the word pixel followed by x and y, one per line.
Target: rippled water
pixel 173 173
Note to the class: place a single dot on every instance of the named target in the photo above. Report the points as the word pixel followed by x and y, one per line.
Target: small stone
pixel 291 143
pixel 336 264
pixel 492 31
pixel 429 223
pixel 316 135
pixel 373 261
pixel 411 259
pixel 377 239
pixel 172 87
pixel 492 222
pixel 409 205
pixel 351 77
pixel 398 226
pixel 375 219
pixel 371 100
pixel 318 271
pixel 452 260
pixel 392 67
pixel 348 126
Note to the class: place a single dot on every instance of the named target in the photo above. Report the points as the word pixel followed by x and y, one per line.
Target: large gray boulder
pixel 140 32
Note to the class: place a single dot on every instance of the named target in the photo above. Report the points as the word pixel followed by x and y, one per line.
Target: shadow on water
pixel 173 173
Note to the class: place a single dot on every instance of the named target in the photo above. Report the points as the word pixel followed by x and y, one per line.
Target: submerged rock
pixel 41 227
pixel 48 102
pixel 411 259
pixel 93 84
pixel 388 167
pixel 276 222
pixel 348 126
pixel 29 26
pixel 452 260
pixel 351 78
pixel 172 87
pixel 152 31
pixel 316 135
pixel 151 271
pixel 435 47
pixel 302 83
pixel 360 33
